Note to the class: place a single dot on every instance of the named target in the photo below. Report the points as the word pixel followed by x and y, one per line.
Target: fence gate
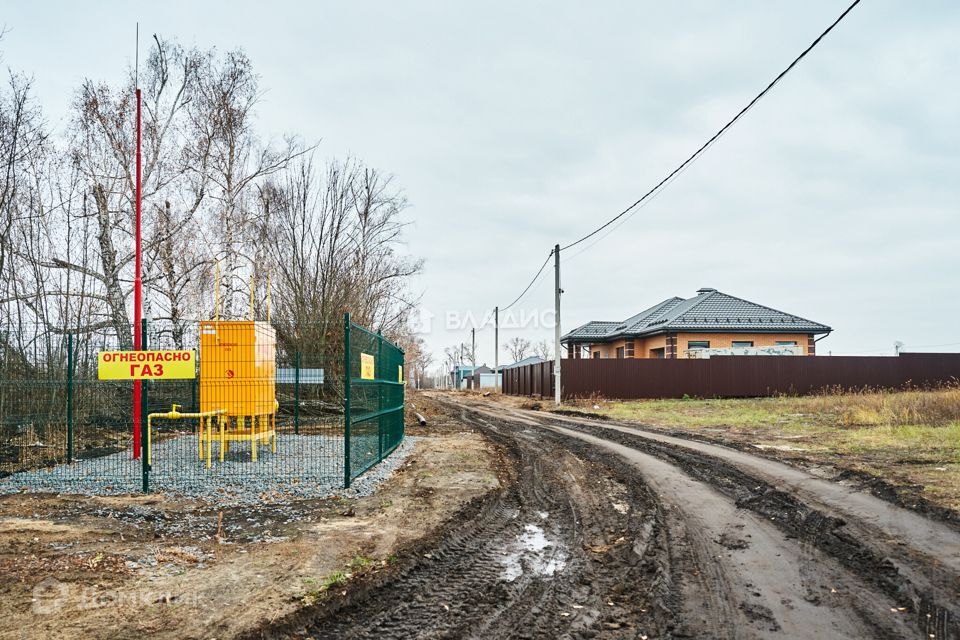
pixel 373 398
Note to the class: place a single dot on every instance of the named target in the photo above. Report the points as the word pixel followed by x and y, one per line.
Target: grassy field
pixel 910 438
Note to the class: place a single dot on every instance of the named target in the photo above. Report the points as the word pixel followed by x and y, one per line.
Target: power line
pixel 690 160
pixel 524 292
pixel 931 346
pixel 623 221
pixel 905 348
pixel 696 154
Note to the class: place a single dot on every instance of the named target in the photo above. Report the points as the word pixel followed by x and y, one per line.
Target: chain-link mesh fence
pixel 375 398
pixel 56 419
pixel 264 415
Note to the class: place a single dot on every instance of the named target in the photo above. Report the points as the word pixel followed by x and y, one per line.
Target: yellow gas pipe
pixel 175 414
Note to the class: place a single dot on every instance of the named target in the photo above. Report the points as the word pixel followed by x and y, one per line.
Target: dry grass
pixel 899 408
pixel 909 438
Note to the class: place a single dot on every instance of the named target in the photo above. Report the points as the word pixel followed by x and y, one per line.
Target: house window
pixel 698 344
pixel 737 344
pixel 620 351
pixel 596 354
pixel 658 353
pixel 791 343
pixel 628 351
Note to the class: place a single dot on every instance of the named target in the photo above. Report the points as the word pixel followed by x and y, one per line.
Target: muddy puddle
pixel 533 553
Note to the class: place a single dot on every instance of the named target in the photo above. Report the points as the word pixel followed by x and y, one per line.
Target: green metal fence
pixel 373 399
pixel 64 430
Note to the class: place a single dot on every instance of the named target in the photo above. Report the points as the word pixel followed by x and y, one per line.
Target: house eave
pixel 680 329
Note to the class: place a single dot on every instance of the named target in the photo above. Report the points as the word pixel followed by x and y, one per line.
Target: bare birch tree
pixel 333 244
pixel 543 350
pixel 102 149
pixel 517 348
pixel 329 236
pixel 237 163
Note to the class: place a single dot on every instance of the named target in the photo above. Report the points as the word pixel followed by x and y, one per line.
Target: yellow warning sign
pixel 400 374
pixel 367 367
pixel 147 365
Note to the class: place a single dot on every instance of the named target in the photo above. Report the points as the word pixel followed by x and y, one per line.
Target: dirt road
pixel 608 532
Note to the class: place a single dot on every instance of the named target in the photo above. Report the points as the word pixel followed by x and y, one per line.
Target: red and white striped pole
pixel 137 298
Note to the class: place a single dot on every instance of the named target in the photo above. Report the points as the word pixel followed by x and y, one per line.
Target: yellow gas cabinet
pixel 238 378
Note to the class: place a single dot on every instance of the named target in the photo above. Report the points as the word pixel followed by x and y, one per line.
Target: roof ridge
pixel 647 315
pixel 691 303
pixel 756 304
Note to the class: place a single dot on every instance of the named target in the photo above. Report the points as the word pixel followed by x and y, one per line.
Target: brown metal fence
pixel 732 376
pixel 529 380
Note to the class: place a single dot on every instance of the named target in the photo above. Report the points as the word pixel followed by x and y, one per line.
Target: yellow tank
pixel 238 368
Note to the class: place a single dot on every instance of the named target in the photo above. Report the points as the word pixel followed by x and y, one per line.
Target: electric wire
pixel 621 222
pixel 686 163
pixel 905 347
pixel 696 154
pixel 931 346
pixel 524 292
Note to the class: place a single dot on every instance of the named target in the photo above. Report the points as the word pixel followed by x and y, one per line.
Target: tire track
pixel 915 584
pixel 463 588
pixel 633 543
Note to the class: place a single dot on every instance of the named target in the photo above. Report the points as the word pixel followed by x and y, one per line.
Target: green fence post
pixel 378 374
pixel 296 395
pixel 193 397
pixel 69 398
pixel 403 399
pixel 346 400
pixel 144 411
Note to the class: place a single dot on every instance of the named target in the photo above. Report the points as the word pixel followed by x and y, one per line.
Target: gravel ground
pixel 303 467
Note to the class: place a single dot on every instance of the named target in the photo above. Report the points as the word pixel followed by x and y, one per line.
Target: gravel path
pixel 303 467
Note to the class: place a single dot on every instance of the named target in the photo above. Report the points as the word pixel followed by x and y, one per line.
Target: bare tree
pixel 333 241
pixel 543 350
pixel 238 162
pixel 329 237
pixel 102 150
pixel 517 348
pixel 201 164
pixel 380 271
pixel 22 146
pixel 177 259
pixel 417 358
pixel 452 357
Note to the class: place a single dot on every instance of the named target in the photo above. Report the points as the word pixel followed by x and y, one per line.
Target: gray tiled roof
pixel 525 361
pixel 649 315
pixel 709 310
pixel 593 329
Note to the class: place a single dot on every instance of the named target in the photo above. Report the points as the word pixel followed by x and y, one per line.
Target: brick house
pixel 710 322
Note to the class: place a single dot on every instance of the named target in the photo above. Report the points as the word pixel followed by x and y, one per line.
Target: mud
pixel 901 495
pixel 601 533
pixel 192 571
pixel 547 556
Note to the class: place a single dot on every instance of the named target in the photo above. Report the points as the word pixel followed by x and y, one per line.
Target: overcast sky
pixel 515 126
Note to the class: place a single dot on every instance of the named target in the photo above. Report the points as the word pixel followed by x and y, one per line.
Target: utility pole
pixel 556 328
pixel 137 269
pixel 496 349
pixel 473 346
